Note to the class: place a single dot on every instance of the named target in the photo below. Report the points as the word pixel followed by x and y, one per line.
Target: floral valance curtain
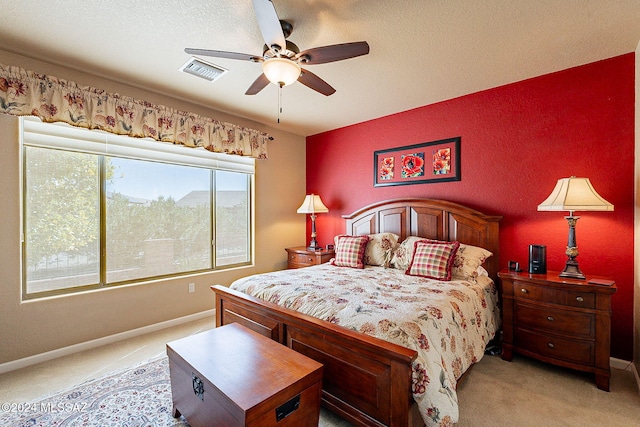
pixel 24 92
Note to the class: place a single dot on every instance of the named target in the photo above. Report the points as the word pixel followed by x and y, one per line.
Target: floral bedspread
pixel 447 323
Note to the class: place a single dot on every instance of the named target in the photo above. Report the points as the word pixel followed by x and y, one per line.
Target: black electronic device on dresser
pixel 537 259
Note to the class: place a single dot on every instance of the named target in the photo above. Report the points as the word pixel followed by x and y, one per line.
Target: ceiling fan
pixel 281 59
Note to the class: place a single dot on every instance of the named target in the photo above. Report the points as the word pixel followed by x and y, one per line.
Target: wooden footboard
pixel 366 380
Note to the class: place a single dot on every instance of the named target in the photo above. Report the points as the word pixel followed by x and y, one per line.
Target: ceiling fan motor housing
pixel 290 51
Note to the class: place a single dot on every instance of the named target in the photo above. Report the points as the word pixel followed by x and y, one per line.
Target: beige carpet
pixel 525 392
pixel 528 393
pixel 521 393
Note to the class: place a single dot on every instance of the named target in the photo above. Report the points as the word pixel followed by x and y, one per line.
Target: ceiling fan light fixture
pixel 281 71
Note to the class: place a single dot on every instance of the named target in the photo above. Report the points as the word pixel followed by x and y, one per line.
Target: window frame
pixel 35 133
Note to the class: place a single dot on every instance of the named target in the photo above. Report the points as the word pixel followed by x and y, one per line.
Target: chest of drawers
pixel 562 321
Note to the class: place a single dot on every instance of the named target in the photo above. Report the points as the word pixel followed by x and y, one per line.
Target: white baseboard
pixel 635 374
pixel 65 351
pixel 626 365
pixel 619 363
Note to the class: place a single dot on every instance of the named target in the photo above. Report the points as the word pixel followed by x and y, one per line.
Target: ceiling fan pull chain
pixel 279 101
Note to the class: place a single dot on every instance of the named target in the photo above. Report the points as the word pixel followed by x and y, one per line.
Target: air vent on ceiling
pixel 198 67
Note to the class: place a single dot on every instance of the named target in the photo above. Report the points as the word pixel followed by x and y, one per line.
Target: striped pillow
pixel 433 259
pixel 350 251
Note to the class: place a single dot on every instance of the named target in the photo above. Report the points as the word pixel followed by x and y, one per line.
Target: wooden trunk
pixel 232 376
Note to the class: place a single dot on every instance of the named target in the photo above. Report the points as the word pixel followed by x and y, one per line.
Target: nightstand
pixel 557 320
pixel 300 256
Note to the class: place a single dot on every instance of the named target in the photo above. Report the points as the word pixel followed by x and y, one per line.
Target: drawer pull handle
pixel 550 318
pixel 550 345
pixel 579 299
pixel 524 291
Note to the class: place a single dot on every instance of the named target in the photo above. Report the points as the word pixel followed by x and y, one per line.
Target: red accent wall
pixel 517 141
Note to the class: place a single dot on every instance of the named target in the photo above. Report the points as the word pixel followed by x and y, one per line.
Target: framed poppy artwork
pixel 436 161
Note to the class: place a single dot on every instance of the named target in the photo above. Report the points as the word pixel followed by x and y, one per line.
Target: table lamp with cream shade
pixel 574 194
pixel 312 204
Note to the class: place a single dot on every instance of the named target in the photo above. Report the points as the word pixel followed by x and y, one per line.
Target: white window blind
pixel 63 136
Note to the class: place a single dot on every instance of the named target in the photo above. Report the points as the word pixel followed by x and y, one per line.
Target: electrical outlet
pixel 192 287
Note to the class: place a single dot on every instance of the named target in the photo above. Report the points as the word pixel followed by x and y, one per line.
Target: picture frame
pixel 424 163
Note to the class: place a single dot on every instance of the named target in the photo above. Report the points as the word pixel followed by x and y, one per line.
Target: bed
pixel 369 380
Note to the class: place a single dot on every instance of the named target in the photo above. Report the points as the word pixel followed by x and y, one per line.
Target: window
pixel 102 210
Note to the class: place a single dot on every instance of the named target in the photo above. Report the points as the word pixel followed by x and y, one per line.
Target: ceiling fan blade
pixel 223 54
pixel 336 52
pixel 314 82
pixel 269 23
pixel 260 83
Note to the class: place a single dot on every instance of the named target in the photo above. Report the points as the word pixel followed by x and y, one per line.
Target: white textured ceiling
pixel 422 51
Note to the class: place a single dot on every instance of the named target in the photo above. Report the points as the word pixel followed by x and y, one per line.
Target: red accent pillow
pixel 433 259
pixel 350 251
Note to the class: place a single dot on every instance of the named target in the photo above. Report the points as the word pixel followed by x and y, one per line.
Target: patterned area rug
pixel 136 397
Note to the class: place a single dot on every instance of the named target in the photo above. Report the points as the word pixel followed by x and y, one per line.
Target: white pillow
pixel 380 249
pixel 468 259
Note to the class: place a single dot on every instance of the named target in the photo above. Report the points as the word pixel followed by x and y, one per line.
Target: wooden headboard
pixel 432 219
